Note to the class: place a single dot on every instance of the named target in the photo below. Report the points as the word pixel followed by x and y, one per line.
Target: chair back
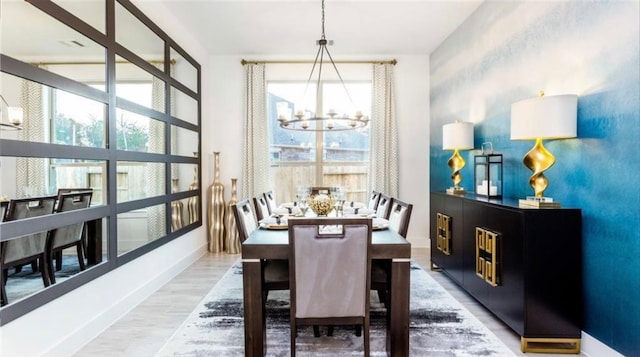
pixel 384 205
pixel 320 190
pixel 373 200
pixel 326 255
pixel 70 201
pixel 262 207
pixel 399 217
pixel 32 244
pixel 245 220
pixel 270 197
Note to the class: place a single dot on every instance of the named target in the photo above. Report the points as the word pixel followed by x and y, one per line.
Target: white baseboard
pixel 83 335
pixel 594 348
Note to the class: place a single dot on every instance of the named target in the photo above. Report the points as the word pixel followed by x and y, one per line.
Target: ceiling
pixel 291 27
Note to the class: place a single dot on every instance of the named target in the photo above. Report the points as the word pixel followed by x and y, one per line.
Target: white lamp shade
pixel 458 135
pixel 546 117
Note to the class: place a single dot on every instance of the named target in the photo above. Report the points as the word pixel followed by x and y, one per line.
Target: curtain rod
pixel 173 61
pixel 245 62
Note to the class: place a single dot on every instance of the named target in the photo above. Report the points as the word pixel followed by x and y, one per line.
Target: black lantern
pixel 488 175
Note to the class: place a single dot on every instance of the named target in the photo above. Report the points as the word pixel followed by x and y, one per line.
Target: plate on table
pixel 380 224
pixel 273 224
pixel 274 227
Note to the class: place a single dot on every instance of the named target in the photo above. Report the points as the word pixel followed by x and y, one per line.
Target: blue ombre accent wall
pixel 509 51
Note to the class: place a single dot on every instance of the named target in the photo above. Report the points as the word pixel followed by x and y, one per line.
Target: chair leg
pixel 358 330
pixel 59 260
pixel 3 290
pixel 293 337
pixel 80 256
pixel 316 331
pixel 330 330
pixel 49 263
pixel 366 338
pixel 43 269
pixel 34 265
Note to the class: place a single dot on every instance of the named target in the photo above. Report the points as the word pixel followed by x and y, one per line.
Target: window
pixel 319 158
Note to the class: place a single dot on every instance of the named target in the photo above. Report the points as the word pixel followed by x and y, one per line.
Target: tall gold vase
pixel 215 209
pixel 192 202
pixel 233 238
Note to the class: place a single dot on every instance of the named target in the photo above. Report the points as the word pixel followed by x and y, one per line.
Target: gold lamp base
pixel 538 159
pixel 456 163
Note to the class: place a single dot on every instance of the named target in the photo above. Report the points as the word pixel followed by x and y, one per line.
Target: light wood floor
pixel 145 329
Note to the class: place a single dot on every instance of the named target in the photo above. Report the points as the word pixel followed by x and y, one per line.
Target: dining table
pixel 265 244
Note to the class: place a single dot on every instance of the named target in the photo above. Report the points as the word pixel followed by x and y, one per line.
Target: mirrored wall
pixel 101 111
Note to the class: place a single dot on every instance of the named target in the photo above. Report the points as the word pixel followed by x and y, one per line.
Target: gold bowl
pixel 321 204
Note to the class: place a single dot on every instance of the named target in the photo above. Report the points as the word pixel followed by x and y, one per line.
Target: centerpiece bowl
pixel 321 204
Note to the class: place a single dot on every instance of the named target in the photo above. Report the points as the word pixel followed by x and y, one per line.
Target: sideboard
pixel 523 264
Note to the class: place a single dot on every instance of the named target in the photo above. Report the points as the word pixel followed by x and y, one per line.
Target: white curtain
pixel 31 173
pixel 255 155
pixel 384 133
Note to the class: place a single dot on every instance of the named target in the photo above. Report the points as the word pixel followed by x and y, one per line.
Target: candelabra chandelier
pixel 333 121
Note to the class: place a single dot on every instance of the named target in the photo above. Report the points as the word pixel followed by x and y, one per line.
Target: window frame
pixel 319 163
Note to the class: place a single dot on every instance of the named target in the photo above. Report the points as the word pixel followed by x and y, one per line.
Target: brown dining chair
pixel 276 271
pixel 321 250
pixel 373 200
pixel 399 217
pixel 270 197
pixel 23 250
pixel 383 207
pixel 68 236
pixel 262 207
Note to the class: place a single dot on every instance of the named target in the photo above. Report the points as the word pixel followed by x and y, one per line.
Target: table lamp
pixel 544 117
pixel 457 136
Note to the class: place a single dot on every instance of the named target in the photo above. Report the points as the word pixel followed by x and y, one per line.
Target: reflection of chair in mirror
pixel 320 252
pixel 276 272
pixel 22 250
pixel 262 207
pixel 271 201
pixel 73 189
pixel 68 236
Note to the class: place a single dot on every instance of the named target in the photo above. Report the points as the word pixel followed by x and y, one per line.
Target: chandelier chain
pixel 323 37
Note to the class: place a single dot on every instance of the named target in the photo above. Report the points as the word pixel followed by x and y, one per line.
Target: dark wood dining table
pixel 274 244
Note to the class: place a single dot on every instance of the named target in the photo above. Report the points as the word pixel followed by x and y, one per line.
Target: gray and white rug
pixel 439 326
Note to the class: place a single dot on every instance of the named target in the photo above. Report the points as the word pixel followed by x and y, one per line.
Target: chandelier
pixel 303 120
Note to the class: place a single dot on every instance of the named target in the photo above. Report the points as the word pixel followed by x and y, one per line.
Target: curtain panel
pixel 384 132
pixel 255 155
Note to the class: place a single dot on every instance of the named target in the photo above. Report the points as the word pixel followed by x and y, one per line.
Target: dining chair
pixel 321 250
pixel 399 216
pixel 25 249
pixel 320 190
pixel 262 207
pixel 373 200
pixel 68 236
pixel 276 271
pixel 384 204
pixel 270 197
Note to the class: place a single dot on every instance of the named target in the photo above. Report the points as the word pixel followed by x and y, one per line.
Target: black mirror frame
pixel 110 211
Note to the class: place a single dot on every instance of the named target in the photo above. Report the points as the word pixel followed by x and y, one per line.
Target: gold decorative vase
pixel 177 221
pixel 192 202
pixel 215 221
pixel 233 239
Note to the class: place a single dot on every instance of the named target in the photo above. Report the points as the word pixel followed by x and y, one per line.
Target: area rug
pixel 439 326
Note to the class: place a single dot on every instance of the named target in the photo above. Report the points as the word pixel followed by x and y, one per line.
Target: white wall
pixel 85 312
pixel 227 110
